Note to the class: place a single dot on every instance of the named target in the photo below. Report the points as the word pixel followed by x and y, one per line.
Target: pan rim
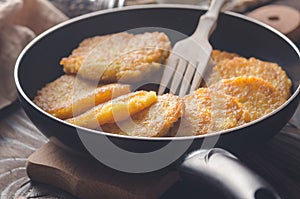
pixel 294 95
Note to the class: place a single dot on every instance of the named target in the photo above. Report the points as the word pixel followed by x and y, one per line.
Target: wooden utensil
pixel 283 18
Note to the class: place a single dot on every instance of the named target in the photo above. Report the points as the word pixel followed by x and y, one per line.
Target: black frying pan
pixel 38 64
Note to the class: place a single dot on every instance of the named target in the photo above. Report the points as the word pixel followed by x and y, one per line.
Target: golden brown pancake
pixel 68 96
pixel 207 111
pixel 218 56
pixel 257 96
pixel 153 121
pixel 239 66
pixel 119 57
pixel 73 62
pixel 115 110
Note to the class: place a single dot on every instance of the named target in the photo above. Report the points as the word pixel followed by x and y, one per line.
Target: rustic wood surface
pixel 278 161
pixel 84 177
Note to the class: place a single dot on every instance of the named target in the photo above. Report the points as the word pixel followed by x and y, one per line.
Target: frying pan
pixel 38 65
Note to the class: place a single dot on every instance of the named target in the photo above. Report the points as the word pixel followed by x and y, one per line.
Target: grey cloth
pixel 20 22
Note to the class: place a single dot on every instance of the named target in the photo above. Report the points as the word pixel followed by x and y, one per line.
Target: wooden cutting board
pixel 283 18
pixel 84 177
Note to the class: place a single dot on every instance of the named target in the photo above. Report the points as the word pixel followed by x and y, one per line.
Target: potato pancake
pixel 69 96
pixel 207 111
pixel 257 96
pixel 153 121
pixel 119 57
pixel 115 110
pixel 239 66
pixel 218 56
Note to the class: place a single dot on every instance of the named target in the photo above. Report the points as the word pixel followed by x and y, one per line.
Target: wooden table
pixel 278 161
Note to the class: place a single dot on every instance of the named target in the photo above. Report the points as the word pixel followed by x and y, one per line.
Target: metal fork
pixel 190 57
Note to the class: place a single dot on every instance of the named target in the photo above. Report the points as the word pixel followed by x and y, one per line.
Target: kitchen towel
pixel 20 22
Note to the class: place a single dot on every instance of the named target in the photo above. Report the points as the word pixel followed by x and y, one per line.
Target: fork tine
pixel 195 47
pixel 168 73
pixel 200 73
pixel 186 81
pixel 182 64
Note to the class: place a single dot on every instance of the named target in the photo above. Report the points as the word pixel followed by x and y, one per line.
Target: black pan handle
pixel 225 172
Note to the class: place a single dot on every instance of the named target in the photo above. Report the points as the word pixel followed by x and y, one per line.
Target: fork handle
pixel 207 22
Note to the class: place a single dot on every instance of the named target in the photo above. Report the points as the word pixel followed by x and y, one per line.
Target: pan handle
pixel 224 171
